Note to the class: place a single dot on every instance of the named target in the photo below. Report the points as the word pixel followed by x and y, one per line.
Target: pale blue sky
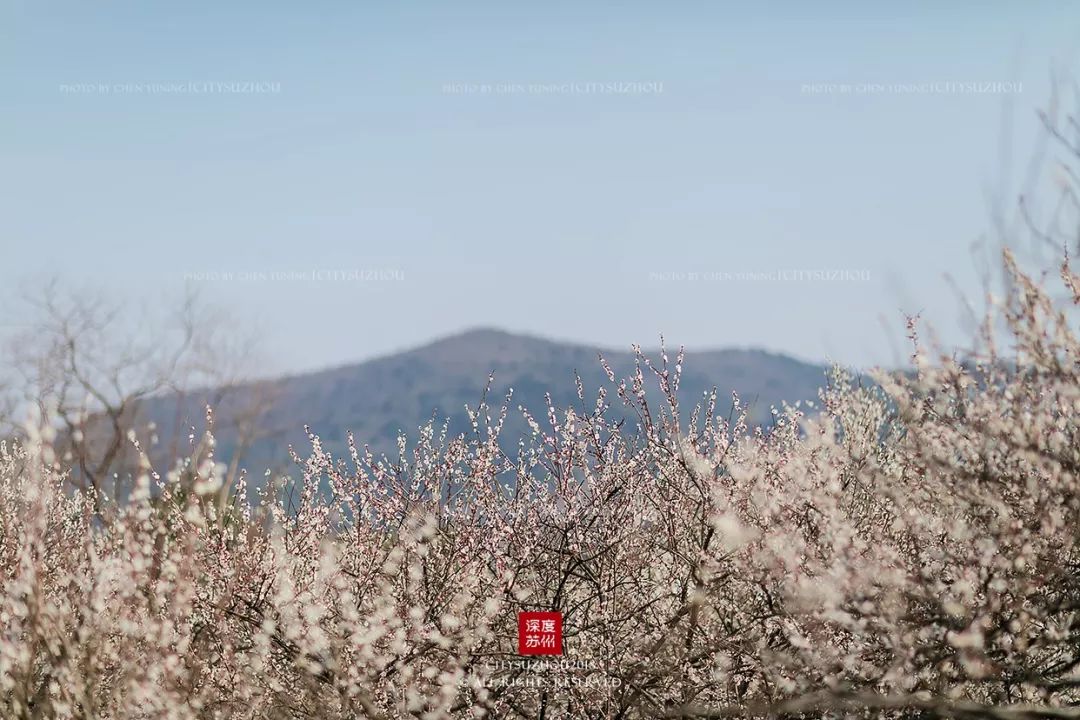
pixel 574 214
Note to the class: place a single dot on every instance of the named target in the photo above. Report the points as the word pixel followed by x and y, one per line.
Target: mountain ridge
pixel 400 392
pixel 471 333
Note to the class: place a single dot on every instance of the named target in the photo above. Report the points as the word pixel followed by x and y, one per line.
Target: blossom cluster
pixel 909 548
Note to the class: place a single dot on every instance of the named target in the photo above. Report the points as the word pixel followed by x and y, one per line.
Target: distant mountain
pixel 378 398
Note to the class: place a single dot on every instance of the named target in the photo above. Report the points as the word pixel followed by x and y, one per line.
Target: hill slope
pixel 378 398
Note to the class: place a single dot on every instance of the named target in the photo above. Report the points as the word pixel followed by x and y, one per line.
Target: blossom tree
pixel 910 549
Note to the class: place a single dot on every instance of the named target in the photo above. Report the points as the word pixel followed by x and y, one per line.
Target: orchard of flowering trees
pixel 909 550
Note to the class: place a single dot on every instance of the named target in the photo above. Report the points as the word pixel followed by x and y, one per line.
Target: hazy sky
pixel 617 149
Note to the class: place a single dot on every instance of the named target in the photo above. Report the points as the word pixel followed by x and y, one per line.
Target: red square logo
pixel 539 633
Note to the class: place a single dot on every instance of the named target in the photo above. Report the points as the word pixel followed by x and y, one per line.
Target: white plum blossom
pixel 909 551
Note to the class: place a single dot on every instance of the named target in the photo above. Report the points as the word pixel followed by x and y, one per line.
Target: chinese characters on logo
pixel 539 633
